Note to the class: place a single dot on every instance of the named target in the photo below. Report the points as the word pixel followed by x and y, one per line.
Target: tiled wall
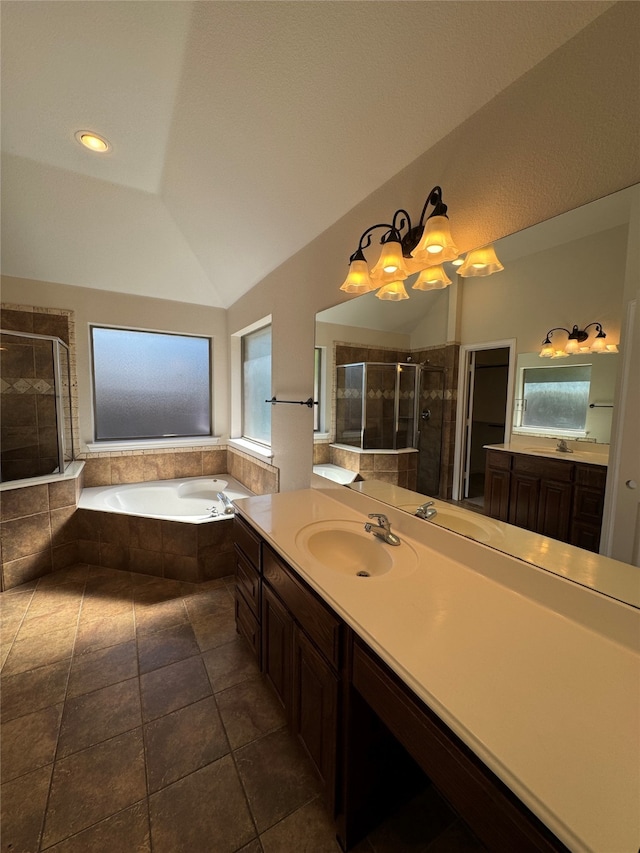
pixel 441 356
pixel 41 530
pixel 37 532
pixel 397 468
pixel 28 429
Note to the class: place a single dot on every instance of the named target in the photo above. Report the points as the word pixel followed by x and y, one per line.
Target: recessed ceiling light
pixel 92 141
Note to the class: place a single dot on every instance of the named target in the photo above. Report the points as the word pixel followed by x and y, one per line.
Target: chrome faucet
pixel 426 510
pixel 561 446
pixel 229 508
pixel 383 529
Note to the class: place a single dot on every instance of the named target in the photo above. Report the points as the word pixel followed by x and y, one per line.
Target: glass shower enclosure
pixel 376 405
pixel 36 435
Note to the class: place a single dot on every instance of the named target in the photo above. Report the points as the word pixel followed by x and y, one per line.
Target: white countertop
pixel 602 574
pixel 539 676
pixel 591 454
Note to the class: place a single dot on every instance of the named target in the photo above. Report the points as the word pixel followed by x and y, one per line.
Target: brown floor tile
pixel 458 838
pixel 308 829
pixel 249 710
pixel 30 691
pixel 23 804
pixel 277 777
pixel 172 687
pixel 215 630
pixel 413 826
pixel 203 603
pixel 125 832
pixel 179 821
pixel 29 742
pixel 71 574
pixel 40 650
pixel 156 617
pixel 114 768
pixel 230 664
pixel 252 847
pixel 100 715
pixel 14 604
pixel 56 597
pixel 105 606
pixel 183 741
pixel 103 632
pixel 166 647
pixel 35 625
pixel 157 590
pixel 94 670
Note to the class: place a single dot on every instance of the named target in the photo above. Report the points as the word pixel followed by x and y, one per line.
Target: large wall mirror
pixel 565 272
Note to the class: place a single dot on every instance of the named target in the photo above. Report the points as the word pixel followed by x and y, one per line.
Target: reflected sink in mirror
pixel 346 548
pixel 470 524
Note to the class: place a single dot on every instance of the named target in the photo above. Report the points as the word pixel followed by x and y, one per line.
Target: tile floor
pixel 134 720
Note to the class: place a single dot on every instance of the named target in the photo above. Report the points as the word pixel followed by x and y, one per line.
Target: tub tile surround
pixel 158 705
pixel 42 531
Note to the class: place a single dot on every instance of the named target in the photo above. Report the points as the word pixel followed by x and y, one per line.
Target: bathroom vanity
pixel 506 685
pixel 560 496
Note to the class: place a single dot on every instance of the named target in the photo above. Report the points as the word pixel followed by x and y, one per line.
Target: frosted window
pixel 256 385
pixel 556 397
pixel 150 384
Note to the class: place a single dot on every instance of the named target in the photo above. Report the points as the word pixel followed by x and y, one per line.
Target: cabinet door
pixel 315 709
pixel 496 493
pixel 554 509
pixel 523 504
pixel 277 627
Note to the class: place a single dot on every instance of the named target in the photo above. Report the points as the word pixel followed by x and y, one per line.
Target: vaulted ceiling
pixel 239 130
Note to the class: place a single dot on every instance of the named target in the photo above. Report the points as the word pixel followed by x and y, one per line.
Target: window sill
pixel 151 444
pixel 252 448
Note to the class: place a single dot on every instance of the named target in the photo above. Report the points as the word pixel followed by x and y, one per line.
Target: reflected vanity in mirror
pixel 567 271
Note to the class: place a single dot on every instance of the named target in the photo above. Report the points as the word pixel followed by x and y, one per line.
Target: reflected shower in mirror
pixel 568 270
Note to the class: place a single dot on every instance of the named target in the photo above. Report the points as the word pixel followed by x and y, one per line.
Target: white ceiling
pixel 239 130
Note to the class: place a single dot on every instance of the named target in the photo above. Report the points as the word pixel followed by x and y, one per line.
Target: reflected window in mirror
pixel 553 399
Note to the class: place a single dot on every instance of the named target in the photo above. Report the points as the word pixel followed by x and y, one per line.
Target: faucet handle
pixel 383 521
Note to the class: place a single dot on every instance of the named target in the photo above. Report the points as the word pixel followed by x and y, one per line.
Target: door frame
pixel 462 416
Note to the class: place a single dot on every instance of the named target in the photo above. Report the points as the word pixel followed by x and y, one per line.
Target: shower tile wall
pixel 28 418
pixel 441 356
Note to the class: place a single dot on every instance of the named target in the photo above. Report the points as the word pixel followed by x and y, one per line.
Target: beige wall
pixel 117 309
pixel 565 134
pixel 576 283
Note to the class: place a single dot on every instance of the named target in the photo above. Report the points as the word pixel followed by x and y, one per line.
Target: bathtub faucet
pixel 228 506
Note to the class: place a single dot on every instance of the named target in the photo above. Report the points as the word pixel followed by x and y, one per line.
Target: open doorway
pixel 484 406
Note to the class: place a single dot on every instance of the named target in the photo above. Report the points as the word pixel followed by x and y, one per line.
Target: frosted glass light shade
pixel 391 265
pixel 358 279
pixel 559 353
pixel 393 291
pixel 599 344
pixel 433 278
pixel 480 262
pixel 547 350
pixel 572 347
pixel 436 242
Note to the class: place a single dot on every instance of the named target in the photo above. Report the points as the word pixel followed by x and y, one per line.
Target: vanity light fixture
pixel 433 278
pixel 576 337
pixel 93 141
pixel 480 262
pixel 406 249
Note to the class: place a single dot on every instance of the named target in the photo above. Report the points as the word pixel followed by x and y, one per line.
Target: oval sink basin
pixel 346 548
pixel 463 521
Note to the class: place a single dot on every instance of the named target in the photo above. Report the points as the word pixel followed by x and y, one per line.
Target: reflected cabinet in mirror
pixel 508 412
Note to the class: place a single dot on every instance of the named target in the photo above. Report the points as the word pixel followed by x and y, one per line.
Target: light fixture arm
pixel 358 255
pixel 547 339
pixel 439 207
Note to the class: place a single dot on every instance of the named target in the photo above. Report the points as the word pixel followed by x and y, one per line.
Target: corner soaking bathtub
pixel 193 499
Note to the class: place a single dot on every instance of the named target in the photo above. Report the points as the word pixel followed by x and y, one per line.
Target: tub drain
pixel 363 574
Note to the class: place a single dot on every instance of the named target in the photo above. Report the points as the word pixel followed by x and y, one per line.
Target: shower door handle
pixel 425 414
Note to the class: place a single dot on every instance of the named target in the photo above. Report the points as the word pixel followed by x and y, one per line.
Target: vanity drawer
pixel 247 624
pixel 549 469
pixel 314 617
pixel 248 579
pixel 593 476
pixel 498 459
pixel 247 541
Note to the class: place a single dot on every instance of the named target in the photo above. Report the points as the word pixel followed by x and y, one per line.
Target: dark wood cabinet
pixel 369 737
pixel 557 498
